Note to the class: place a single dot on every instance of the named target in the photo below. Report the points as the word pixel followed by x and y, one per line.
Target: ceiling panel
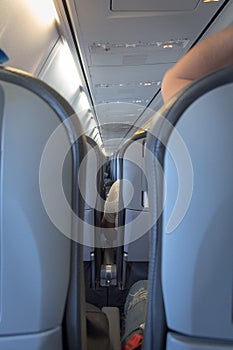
pixel 152 5
pixel 115 112
pixel 124 83
pixel 136 53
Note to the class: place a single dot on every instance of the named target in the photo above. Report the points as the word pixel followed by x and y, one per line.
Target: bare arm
pixel 209 55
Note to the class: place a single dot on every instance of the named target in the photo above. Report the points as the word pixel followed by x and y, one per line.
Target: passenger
pixel 135 305
pixel 135 316
pixel 209 55
pixel 110 217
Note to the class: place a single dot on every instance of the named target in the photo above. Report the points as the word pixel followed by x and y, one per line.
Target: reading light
pixel 168 46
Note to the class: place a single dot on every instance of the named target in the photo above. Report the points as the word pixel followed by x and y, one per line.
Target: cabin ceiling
pixel 121 49
pixel 126 46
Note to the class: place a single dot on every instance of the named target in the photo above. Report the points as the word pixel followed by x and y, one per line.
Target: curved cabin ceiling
pixel 118 50
pixel 126 46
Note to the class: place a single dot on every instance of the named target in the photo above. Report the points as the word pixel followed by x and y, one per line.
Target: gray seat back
pixel 135 203
pixel 93 201
pixel 94 204
pixel 190 280
pixel 35 254
pixel 133 218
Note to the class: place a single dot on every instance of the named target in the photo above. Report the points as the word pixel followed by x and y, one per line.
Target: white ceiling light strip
pixel 128 84
pixel 100 48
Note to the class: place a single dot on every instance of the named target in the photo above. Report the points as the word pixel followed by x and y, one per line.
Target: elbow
pixel 173 84
pixel 166 86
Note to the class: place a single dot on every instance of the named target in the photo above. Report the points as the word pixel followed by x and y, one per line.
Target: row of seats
pixel 190 205
pixel 188 178
pixel 188 222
